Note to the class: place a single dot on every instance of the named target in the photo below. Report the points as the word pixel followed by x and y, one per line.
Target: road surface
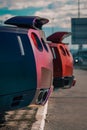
pixel 67 109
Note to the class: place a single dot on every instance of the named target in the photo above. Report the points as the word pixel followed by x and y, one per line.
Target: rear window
pixel 11 45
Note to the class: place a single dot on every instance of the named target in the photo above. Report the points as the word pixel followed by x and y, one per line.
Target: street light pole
pixel 52 25
pixel 78 8
pixel 80 45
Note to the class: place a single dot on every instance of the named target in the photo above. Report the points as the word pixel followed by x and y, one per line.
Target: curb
pixel 40 118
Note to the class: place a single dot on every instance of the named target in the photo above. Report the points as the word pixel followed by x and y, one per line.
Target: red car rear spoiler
pixel 58 37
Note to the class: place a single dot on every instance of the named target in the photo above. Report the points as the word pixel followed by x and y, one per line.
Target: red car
pixel 26 67
pixel 62 61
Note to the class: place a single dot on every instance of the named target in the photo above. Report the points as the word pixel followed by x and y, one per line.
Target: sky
pixel 59 12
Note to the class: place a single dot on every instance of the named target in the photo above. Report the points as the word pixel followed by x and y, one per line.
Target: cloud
pixel 59 12
pixel 21 4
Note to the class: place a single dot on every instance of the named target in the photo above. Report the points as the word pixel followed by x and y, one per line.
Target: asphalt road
pixel 67 109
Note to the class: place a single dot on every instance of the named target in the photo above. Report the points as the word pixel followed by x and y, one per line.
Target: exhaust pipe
pixel 43 96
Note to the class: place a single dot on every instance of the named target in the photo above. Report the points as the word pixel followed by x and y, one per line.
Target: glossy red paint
pixel 44 64
pixel 62 60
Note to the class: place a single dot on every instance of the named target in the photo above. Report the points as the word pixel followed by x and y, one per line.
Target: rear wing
pixel 27 21
pixel 58 37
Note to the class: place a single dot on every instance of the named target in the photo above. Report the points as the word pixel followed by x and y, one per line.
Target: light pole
pixel 78 8
pixel 52 25
pixel 80 45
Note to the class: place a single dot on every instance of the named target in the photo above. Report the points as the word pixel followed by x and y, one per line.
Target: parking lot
pixel 67 109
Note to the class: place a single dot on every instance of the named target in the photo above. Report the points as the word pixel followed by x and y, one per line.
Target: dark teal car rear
pixel 18 79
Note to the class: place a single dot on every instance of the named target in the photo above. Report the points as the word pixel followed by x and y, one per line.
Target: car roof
pixel 11 28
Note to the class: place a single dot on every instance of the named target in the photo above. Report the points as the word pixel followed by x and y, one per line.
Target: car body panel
pixel 15 70
pixel 44 65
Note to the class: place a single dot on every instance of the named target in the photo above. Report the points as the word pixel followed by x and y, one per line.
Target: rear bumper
pixel 64 82
pixel 16 100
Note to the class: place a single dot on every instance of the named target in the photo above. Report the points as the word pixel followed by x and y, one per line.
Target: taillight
pixel 36 41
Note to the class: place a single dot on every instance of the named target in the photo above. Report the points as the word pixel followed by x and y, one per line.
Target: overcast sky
pixel 59 12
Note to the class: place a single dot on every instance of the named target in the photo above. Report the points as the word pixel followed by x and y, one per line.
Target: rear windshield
pixel 12 45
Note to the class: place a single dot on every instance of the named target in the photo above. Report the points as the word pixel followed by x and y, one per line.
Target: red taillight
pixel 36 41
